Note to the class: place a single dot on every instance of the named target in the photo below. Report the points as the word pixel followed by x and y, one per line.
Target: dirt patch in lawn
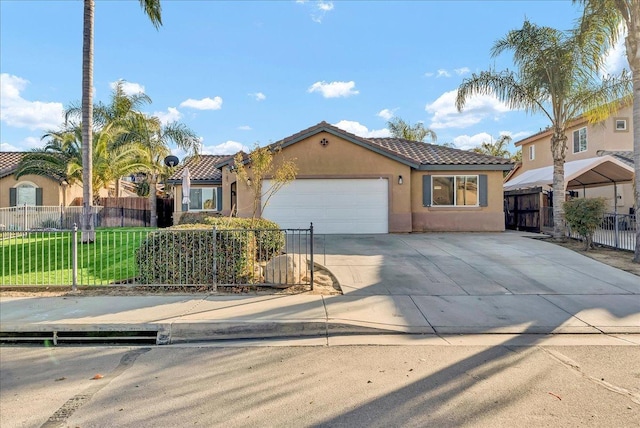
pixel 619 259
pixel 325 283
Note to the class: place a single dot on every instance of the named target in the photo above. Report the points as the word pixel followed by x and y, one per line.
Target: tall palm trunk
pixel 636 153
pixel 558 151
pixel 88 232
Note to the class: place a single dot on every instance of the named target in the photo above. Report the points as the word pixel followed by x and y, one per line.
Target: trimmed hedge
pixel 269 239
pixel 183 254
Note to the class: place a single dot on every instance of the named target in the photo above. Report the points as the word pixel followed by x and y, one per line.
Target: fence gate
pixel 164 210
pixel 522 209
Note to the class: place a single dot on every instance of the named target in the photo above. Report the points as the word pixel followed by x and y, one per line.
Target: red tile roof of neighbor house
pixel 9 162
pixel 202 170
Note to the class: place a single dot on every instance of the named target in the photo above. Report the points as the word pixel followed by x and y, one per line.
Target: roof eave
pixel 505 167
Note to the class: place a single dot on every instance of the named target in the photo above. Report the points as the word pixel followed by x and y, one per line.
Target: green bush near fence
pixel 584 215
pixel 269 239
pixel 188 258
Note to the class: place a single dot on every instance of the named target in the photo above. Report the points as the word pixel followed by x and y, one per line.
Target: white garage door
pixel 333 205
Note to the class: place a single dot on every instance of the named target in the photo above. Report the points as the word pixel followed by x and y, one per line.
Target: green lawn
pixel 46 258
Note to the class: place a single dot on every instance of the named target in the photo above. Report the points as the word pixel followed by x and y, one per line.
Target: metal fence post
pixel 74 258
pixel 215 256
pixel 311 251
pixel 24 218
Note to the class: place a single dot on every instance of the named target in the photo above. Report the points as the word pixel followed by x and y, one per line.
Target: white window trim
pixel 215 198
pixel 586 140
pixel 532 152
pixel 455 194
pixel 620 119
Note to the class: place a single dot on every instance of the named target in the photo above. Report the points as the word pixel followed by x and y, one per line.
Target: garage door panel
pixel 333 205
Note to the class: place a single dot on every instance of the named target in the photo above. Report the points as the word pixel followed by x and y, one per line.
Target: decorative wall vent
pixel 324 142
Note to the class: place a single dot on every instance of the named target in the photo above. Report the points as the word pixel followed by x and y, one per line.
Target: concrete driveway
pixel 476 282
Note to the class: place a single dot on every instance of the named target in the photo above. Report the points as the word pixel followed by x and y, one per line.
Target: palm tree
pixel 153 10
pixel 499 148
pixel 401 129
pixel 61 158
pixel 604 18
pixel 555 77
pixel 154 138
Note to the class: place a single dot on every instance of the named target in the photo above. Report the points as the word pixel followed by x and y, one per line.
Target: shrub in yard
pixel 269 240
pixel 184 254
pixel 196 217
pixel 584 215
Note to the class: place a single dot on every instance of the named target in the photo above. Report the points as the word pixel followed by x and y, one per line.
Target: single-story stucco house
pixel 351 184
pixel 33 190
pixel 205 192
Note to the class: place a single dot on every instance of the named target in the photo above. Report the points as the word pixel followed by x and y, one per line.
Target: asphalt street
pixel 207 384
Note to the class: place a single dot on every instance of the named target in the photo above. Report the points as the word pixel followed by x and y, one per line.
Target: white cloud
pixel 361 130
pixel 22 146
pixel 443 73
pixel 259 96
pixel 244 128
pixel 203 104
pixel 318 8
pixel 462 71
pixel 334 89
pixel 20 113
pixel 129 88
pixel 171 115
pixel 386 114
pixel 466 142
pixel 478 108
pixel 226 148
pixel 429 74
pixel 616 59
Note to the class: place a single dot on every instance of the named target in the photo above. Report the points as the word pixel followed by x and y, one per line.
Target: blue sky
pixel 242 72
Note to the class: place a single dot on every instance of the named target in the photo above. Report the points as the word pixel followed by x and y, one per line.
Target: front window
pixel 621 125
pixel 455 190
pixel 580 140
pixel 25 194
pixel 532 152
pixel 203 199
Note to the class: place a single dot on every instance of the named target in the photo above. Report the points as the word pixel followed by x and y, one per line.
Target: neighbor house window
pixel 203 199
pixel 580 140
pixel 26 194
pixel 454 190
pixel 621 125
pixel 532 152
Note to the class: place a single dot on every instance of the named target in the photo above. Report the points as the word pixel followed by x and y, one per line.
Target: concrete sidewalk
pixel 435 284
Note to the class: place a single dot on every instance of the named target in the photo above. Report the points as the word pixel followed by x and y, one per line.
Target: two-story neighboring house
pixel 599 162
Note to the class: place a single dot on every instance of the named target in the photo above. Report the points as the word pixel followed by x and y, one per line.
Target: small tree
pixel 265 163
pixel 584 215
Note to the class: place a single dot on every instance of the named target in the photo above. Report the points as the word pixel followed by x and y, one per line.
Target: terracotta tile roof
pixel 434 154
pixel 203 170
pixel 9 162
pixel 415 152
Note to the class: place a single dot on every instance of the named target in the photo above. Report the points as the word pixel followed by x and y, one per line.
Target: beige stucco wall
pixel 338 159
pixel 459 219
pixel 177 205
pixel 343 159
pixel 624 191
pixel 600 136
pixel 52 192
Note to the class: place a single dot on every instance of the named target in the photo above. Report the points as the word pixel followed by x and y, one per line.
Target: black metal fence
pixel 206 258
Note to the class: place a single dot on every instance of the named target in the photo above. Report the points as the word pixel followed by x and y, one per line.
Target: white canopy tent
pixel 591 172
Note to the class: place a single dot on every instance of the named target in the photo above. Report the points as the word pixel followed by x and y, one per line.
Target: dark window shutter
pixel 12 196
pixel 426 190
pixel 482 184
pixel 39 196
pixel 219 198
